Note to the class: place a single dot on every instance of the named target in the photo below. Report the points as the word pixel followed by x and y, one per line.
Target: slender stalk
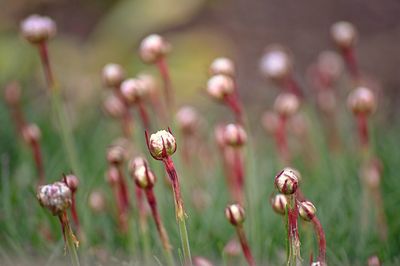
pixel 233 103
pixel 123 190
pixel 179 209
pixel 245 245
pixel 292 86
pixel 143 224
pixel 144 116
pixel 163 69
pixel 362 123
pixel 281 140
pixel 321 240
pixel 293 234
pixel 74 213
pixel 239 172
pixel 351 62
pixel 37 155
pixel 69 238
pixel 44 57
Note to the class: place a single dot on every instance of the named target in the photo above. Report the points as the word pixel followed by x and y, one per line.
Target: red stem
pixel 120 210
pixel 151 199
pixel 144 116
pixel 351 62
pixel 74 213
pixel 169 166
pixel 37 155
pixel 245 245
pixel 281 139
pixel 239 172
pixel 321 239
pixel 291 85
pixel 362 124
pixel 233 103
pixel 123 191
pixel 44 56
pixel 163 68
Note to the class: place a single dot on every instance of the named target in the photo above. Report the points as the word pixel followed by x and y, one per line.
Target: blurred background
pixel 93 33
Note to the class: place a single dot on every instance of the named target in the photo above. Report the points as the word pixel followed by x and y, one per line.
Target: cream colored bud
pixel 362 101
pixel 287 181
pixel 141 174
pixel 114 106
pixel 219 86
pixel 235 135
pixel 286 104
pixel 31 133
pixel 152 48
pixel 134 90
pixel 307 210
pixel 113 75
pixel 72 182
pixel 187 119
pixel 344 34
pixel 37 29
pixel 116 155
pixel 270 122
pixel 235 214
pixel 222 66
pixel 162 144
pixel 97 201
pixel 279 203
pixel 56 197
pixel 276 63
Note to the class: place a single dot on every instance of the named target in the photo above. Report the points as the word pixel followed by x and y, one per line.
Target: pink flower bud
pixel 152 48
pixel 219 86
pixel 362 101
pixel 141 174
pixel 31 133
pixel 201 261
pixel 37 29
pixel 276 63
pixel 287 181
pixel 134 90
pixel 97 201
pixel 148 82
pixel 235 214
pixel 307 210
pixel 162 144
pixel 114 106
pixel 72 182
pixel 113 75
pixel 187 119
pixel 344 34
pixel 56 197
pixel 235 135
pixel 116 155
pixel 279 203
pixel 222 66
pixel 286 104
pixel 330 65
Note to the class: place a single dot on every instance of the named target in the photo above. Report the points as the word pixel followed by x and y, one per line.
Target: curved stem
pixel 163 69
pixel 321 240
pixel 245 245
pixel 69 238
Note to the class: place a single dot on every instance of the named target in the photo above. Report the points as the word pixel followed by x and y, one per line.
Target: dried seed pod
pixel 31 133
pixel 362 101
pixel 235 214
pixel 116 155
pixel 286 104
pixel 113 75
pixel 222 66
pixel 134 90
pixel 307 210
pixel 219 86
pixel 276 64
pixel 187 119
pixel 152 48
pixel 279 203
pixel 344 34
pixel 56 197
pixel 37 29
pixel 287 181
pixel 235 135
pixel 72 182
pixel 162 141
pixel 270 122
pixel 97 202
pixel 201 261
pixel 114 106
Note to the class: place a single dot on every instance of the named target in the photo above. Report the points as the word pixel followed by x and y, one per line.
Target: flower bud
pixel 97 201
pixel 235 135
pixel 162 144
pixel 287 181
pixel 187 119
pixel 201 261
pixel 134 90
pixel 235 214
pixel 116 155
pixel 222 66
pixel 270 122
pixel 276 63
pixel 374 261
pixel 233 248
pixel 279 203
pixel 113 75
pixel 362 101
pixel 37 29
pixel 152 48
pixel 12 93
pixel 72 182
pixel 307 210
pixel 219 86
pixel 56 197
pixel 344 34
pixel 371 173
pixel 330 65
pixel 286 104
pixel 31 133
pixel 141 174
pixel 148 82
pixel 114 106
pixel 113 177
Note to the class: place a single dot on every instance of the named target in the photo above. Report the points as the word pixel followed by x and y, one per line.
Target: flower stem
pixel 163 69
pixel 351 62
pixel 144 116
pixel 321 240
pixel 69 238
pixel 37 155
pixel 245 245
pixel 293 234
pixel 281 140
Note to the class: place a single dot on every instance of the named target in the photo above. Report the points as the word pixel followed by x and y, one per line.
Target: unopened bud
pixel 141 174
pixel 287 181
pixel 344 34
pixel 222 66
pixel 72 182
pixel 371 173
pixel 148 82
pixel 114 106
pixel 276 63
pixel 97 201
pixel 235 135
pixel 113 177
pixel 286 104
pixel 307 210
pixel 201 261
pixel 162 144
pixel 37 29
pixel 56 197
pixel 219 86
pixel 12 93
pixel 187 119
pixel 113 75
pixel 279 203
pixel 134 90
pixel 116 155
pixel 235 214
pixel 152 48
pixel 31 133
pixel 270 122
pixel 362 101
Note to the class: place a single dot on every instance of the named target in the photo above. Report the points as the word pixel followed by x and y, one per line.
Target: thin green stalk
pixel 184 240
pixel 70 239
